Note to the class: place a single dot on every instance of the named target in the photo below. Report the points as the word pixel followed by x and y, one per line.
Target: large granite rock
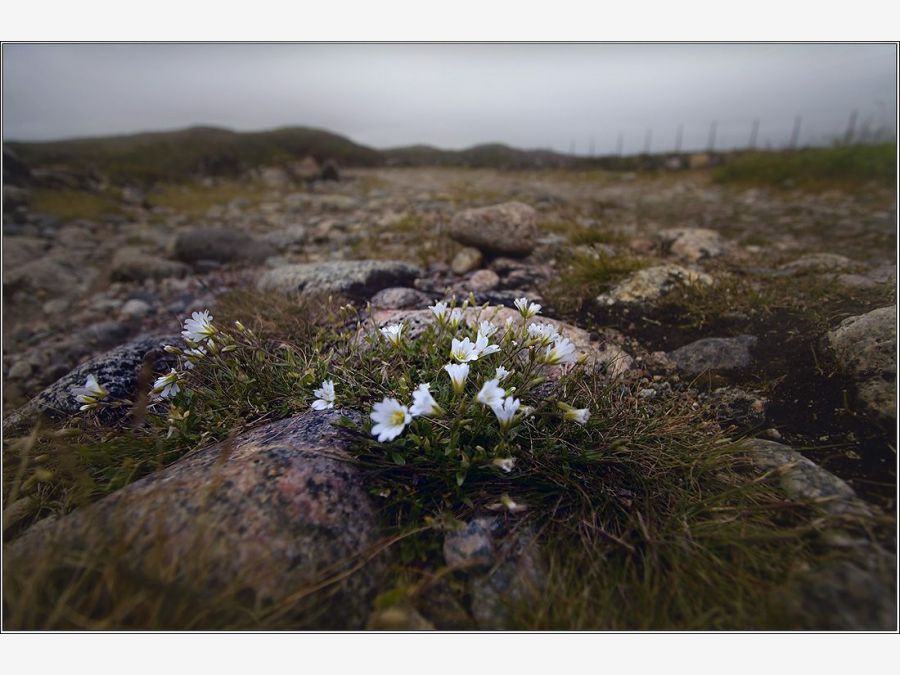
pixel 220 245
pixel 275 519
pixel 358 278
pixel 119 370
pixel 707 354
pixel 653 283
pixel 507 229
pixel 865 348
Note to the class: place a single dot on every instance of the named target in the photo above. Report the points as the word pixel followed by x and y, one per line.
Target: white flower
pixel 543 333
pixel 482 347
pixel 463 350
pixel 324 396
pixel 486 328
pixel 458 373
pixel 199 327
pixel 491 394
pixel 573 414
pixel 439 309
pixel 506 411
pixel 501 373
pixel 166 386
pixel 193 354
pixel 510 505
pixel 390 419
pixel 423 402
pixel 393 333
pixel 90 393
pixel 505 464
pixel 456 316
pixel 527 309
pixel 562 351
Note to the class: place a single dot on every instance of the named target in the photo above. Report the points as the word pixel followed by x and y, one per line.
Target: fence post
pixel 795 134
pixel 753 132
pixel 851 127
pixel 648 138
pixel 678 135
pixel 712 136
pixel 620 142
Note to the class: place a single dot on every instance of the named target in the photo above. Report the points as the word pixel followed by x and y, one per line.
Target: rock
pixel 504 564
pixel 466 260
pixel 735 406
pixel 259 518
pixel 275 177
pixel 102 334
pixel 119 370
pixel 19 251
pixel 615 360
pixel 289 237
pixel 133 196
pixel 692 243
pixel 817 263
pixel 855 594
pixel 133 264
pixel 50 276
pixel 359 278
pixel 301 201
pixel 221 245
pixel 883 274
pixel 470 546
pixel 57 306
pixel 483 281
pixel 509 228
pixel 330 171
pixel 714 354
pixel 804 480
pixel 400 298
pixel 19 370
pixel 307 169
pixel 135 309
pixel 398 617
pixel 651 284
pixel 865 349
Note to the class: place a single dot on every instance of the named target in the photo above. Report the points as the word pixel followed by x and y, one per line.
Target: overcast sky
pixel 455 95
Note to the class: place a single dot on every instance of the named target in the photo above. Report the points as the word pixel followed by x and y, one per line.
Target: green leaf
pixel 398 458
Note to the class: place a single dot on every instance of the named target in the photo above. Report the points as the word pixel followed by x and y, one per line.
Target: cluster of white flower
pixel 391 417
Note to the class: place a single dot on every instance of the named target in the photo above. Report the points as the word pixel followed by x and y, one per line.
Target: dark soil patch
pixel 810 404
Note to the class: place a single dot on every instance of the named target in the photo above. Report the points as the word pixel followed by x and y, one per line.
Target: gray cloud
pixel 454 95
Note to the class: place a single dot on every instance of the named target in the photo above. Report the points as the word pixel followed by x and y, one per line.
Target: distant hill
pixel 493 155
pixel 177 155
pixel 204 151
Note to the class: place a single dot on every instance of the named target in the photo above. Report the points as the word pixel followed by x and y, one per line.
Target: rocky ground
pixel 774 310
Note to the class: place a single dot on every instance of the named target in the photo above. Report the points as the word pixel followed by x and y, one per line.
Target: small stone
pixel 133 264
pixel 220 245
pixel 400 297
pixel 20 370
pixel 509 228
pixel 818 263
pixel 466 259
pixel 692 243
pixel 360 278
pixel 135 309
pixel 714 354
pixel 483 281
pixel 651 284
pixel 471 546
pixel 55 306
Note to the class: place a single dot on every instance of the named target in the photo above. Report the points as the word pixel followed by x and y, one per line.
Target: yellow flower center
pixel 397 418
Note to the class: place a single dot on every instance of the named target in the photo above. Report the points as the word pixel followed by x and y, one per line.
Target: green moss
pixel 74 204
pixel 195 199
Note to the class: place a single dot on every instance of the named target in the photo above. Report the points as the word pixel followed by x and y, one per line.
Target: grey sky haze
pixel 455 95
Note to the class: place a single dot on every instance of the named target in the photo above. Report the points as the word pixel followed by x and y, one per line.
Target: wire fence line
pixel 758 134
